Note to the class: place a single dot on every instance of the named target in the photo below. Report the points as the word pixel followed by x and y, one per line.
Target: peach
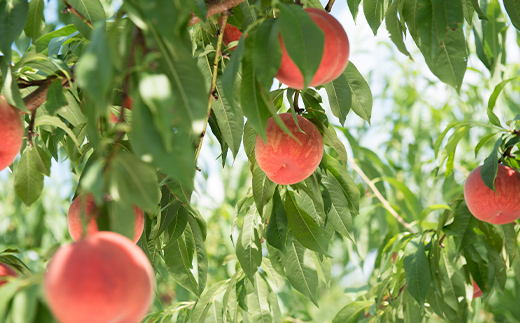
pixel 231 34
pixel 6 270
pixel 285 160
pixel 333 61
pixel 75 224
pixel 102 278
pixel 11 133
pixel 485 204
pixel 126 105
pixel 476 290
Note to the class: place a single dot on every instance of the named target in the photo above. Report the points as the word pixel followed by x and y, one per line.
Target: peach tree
pixel 122 98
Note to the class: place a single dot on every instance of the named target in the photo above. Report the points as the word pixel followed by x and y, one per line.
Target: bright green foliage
pixel 379 233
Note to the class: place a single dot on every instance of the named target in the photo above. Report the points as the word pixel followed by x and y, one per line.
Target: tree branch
pixel 70 8
pixel 329 5
pixel 378 194
pixel 214 7
pixel 213 83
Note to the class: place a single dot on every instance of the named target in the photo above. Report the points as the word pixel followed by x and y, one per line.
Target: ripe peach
pixel 102 278
pixel 333 61
pixel 75 224
pixel 485 204
pixel 231 33
pixel 476 290
pixel 6 270
pixel 11 133
pixel 283 159
pixel 126 105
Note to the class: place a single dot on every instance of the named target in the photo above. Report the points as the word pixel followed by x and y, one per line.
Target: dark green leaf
pixel 395 28
pixel 375 11
pixel 178 262
pixel 513 10
pixel 28 179
pixel 35 19
pixel 354 7
pixel 417 273
pixel 303 40
pixel 13 14
pixel 277 227
pixel 267 54
pixel 249 249
pixel 350 312
pixel 301 271
pixel 339 214
pixel 55 97
pixel 93 11
pixel 490 168
pixel 263 188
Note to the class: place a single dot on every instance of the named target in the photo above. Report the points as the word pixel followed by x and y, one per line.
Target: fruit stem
pixel 30 130
pixel 329 5
pixel 212 93
pixel 295 102
pixel 70 8
pixel 214 7
pixel 380 197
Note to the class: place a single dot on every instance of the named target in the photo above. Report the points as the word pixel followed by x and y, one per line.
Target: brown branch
pixel 30 130
pixel 295 102
pixel 329 5
pixel 214 7
pixel 70 8
pixel 378 194
pixel 213 83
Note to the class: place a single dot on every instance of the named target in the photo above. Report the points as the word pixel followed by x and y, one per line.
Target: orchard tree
pixel 343 200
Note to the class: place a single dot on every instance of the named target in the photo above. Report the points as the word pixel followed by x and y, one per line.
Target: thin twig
pixel 213 83
pixel 295 102
pixel 30 130
pixel 329 5
pixel 70 8
pixel 214 7
pixel 378 194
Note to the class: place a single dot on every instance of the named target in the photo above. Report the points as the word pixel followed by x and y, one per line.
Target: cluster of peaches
pixel 105 277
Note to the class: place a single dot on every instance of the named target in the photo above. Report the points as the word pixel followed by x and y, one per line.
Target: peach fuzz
pixel 6 270
pixel 89 209
pixel 485 204
pixel 231 33
pixel 285 160
pixel 336 50
pixel 11 133
pixel 102 278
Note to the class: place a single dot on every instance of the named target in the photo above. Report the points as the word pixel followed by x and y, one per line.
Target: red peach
pixel 334 59
pixel 476 290
pixel 11 133
pixel 485 204
pixel 231 33
pixel 127 104
pixel 285 160
pixel 102 278
pixel 75 224
pixel 6 270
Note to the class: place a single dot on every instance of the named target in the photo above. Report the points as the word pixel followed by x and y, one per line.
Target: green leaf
pixel 267 53
pixel 35 19
pixel 395 28
pixel 249 248
pixel 303 40
pixel 339 214
pixel 257 301
pixel 462 228
pixel 375 11
pixel 132 180
pixel 432 208
pixel 28 179
pixel 276 233
pixel 93 11
pixel 513 10
pixel 55 97
pixel 301 271
pixel 417 273
pixel 121 216
pixel 349 188
pixel 483 141
pixel 351 92
pixel 303 227
pixel 252 101
pixel 263 188
pixel 354 7
pixel 231 73
pixel 206 300
pixel 178 264
pixel 13 14
pixel 169 214
pixel 493 100
pixel 490 168
pixel 351 312
pixel 43 42
pixel 198 234
pixel 55 122
pixel 94 69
